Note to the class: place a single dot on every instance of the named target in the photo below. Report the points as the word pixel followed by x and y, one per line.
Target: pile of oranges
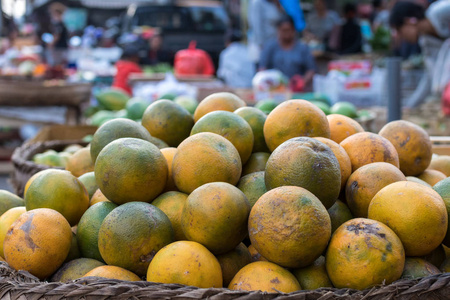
pixel 232 197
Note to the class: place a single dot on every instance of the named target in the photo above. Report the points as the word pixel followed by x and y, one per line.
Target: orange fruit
pixel 266 277
pixel 218 101
pixel 80 162
pixel 230 126
pixel 417 180
pixel 8 200
pixel 130 169
pixel 98 197
pixel 441 163
pixel 169 154
pixel 339 214
pixel 443 189
pixel 366 182
pixel 363 253
pixel 61 191
pixel 168 121
pixel 187 263
pixel 6 220
pixel 116 129
pixel 256 119
pixel 292 119
pixel 232 261
pixel 432 176
pixel 319 168
pixel 256 163
pixel 255 255
pixel 172 204
pixel 293 212
pixel 412 143
pixel 253 186
pixel 131 235
pixel 88 228
pixel 88 180
pixel 314 276
pixel 341 127
pixel 417 214
pixel 32 178
pixel 215 215
pixel 365 148
pixel 417 268
pixel 344 160
pixel 75 269
pixel 112 272
pixel 38 242
pixel 205 157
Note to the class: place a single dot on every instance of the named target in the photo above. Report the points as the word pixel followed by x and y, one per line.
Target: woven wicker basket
pixel 30 93
pixel 24 167
pixel 23 285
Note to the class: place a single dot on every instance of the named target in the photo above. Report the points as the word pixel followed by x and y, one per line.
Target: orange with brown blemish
pixel 341 127
pixel 363 253
pixel 38 242
pixel 112 272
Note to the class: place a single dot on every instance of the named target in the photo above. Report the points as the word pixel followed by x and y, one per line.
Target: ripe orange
pixel 205 157
pixel 266 277
pixel 363 253
pixel 188 263
pixel 417 268
pixel 130 169
pixel 216 215
pixel 256 163
pixel 366 182
pixel 416 213
pixel 344 160
pixel 432 176
pixel 61 191
pixel 112 272
pixel 292 119
pixel 319 172
pixel 293 212
pixel 441 163
pixel 80 162
pixel 314 276
pixel 366 147
pixel 38 242
pixel 232 127
pixel 218 101
pixel 6 220
pixel 168 121
pixel 75 269
pixel 172 204
pixel 169 154
pixel 256 119
pixel 412 143
pixel 131 235
pixel 341 127
pixel 232 261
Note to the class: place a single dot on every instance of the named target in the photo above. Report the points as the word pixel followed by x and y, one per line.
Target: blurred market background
pixel 80 62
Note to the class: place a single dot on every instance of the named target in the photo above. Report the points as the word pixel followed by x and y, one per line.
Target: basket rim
pixel 23 283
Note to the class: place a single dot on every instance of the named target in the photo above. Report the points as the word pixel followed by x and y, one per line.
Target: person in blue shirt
pixel 287 54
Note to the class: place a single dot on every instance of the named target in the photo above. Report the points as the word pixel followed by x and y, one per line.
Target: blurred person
pixel 155 53
pixel 287 54
pixel 380 15
pixel 263 16
pixel 235 65
pixel 430 28
pixel 127 65
pixel 321 22
pixel 57 48
pixel 350 33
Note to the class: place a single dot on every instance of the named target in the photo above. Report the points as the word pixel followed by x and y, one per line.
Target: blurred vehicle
pixel 180 22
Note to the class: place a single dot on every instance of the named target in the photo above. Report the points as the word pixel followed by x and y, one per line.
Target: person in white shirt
pixel 236 68
pixel 431 28
pixel 321 22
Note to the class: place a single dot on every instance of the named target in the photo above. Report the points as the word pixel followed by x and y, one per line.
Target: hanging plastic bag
pixel 193 61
